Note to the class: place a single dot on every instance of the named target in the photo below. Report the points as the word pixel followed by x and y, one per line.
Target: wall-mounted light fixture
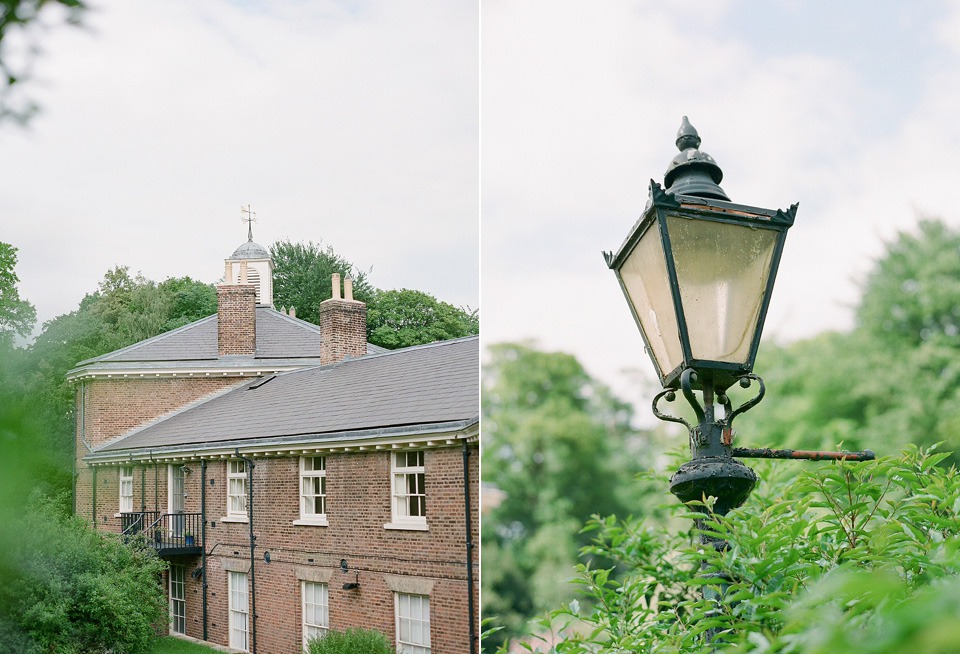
pixel 352 585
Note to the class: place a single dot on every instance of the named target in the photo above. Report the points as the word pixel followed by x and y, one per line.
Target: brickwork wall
pixel 237 319
pixel 358 505
pixel 343 326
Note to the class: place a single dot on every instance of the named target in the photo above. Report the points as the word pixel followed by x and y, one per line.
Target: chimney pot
pixel 348 288
pixel 335 286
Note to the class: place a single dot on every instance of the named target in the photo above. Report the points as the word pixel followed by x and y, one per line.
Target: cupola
pixel 251 264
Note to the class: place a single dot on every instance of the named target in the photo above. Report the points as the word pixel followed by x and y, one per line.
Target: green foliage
pixel 16 315
pixel 351 641
pixel 64 587
pixel 403 318
pixel 911 296
pixel 301 277
pixel 847 557
pixel 74 589
pixel 561 448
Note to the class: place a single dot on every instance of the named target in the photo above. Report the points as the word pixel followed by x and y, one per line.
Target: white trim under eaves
pixel 369 440
pixel 187 373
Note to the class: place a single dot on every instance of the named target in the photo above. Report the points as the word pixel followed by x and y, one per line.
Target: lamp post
pixel 697 271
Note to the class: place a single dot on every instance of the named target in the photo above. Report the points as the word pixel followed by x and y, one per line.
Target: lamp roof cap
pixel 693 172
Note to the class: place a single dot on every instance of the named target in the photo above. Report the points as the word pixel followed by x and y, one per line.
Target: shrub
pixel 351 641
pixel 845 557
pixel 71 589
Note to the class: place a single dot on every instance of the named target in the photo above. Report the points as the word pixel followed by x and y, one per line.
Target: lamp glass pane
pixel 722 272
pixel 644 275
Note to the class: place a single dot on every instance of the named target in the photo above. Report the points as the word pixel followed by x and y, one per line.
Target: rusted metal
pixel 811 455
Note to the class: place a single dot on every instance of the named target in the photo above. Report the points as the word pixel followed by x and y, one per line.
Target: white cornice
pixel 413 437
pixel 198 372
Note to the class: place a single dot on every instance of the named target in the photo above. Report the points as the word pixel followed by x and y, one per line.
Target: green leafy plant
pixel 351 641
pixel 70 589
pixel 846 557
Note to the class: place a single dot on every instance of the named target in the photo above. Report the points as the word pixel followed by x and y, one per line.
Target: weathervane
pixel 250 218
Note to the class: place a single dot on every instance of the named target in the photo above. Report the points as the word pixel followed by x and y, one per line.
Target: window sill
pixel 312 522
pixel 407 526
pixel 234 518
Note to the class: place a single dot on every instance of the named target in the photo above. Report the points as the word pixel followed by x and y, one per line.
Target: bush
pixel 846 557
pixel 351 641
pixel 71 589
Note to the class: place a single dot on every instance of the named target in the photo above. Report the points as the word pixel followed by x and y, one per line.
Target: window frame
pixel 400 495
pixel 410 646
pixel 322 629
pixel 238 637
pixel 317 519
pixel 233 476
pixel 177 579
pixel 121 481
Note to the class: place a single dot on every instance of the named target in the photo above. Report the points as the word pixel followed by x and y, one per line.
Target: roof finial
pixel 250 218
pixel 693 172
pixel 687 136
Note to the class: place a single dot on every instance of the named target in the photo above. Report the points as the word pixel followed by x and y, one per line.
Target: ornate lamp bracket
pixel 746 406
pixel 671 395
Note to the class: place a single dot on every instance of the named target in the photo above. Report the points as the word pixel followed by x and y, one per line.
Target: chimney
pixel 236 319
pixel 343 325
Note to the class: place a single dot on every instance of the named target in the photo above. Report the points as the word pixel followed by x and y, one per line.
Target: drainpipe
pixel 203 541
pixel 253 588
pixel 94 497
pixel 466 504
pixel 156 486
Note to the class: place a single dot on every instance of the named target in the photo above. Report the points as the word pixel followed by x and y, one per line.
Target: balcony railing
pixel 168 533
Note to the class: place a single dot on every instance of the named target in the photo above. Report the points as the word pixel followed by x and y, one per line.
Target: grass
pixel 171 645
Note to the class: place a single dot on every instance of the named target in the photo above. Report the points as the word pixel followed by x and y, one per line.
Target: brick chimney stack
pixel 236 317
pixel 343 325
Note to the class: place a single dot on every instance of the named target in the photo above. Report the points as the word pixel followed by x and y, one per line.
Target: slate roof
pixel 279 336
pixel 420 385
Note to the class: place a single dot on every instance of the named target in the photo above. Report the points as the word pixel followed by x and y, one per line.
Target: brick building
pixel 296 478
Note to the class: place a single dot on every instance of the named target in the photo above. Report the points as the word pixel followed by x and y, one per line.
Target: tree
pixel 405 317
pixel 17 316
pixel 561 448
pixel 912 295
pixel 301 277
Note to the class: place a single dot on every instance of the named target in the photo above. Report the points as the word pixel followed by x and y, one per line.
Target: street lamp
pixel 697 271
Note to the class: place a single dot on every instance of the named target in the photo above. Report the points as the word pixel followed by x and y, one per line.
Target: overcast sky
pixel 357 123
pixel 850 108
pixel 354 123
